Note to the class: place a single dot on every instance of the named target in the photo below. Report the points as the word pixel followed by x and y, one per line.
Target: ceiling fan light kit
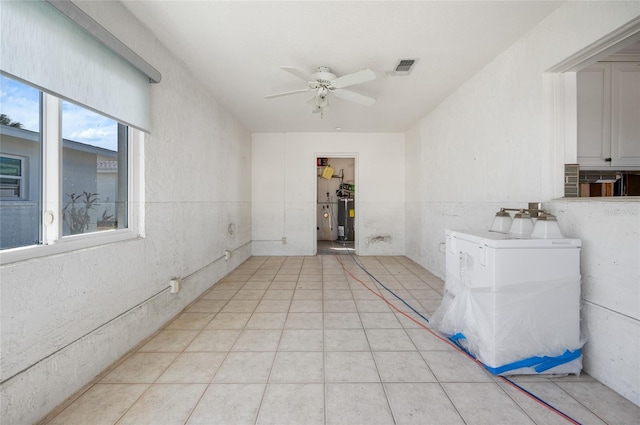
pixel 323 82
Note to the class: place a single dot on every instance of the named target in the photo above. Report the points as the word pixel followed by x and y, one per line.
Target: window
pixel 94 171
pixel 68 184
pixel 12 174
pixel 20 170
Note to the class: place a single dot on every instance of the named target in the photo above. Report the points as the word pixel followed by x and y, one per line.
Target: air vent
pixel 404 67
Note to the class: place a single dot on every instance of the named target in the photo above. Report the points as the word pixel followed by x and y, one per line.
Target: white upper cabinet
pixel 625 114
pixel 609 116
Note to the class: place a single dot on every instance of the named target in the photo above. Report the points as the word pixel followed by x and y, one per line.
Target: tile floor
pixel 297 340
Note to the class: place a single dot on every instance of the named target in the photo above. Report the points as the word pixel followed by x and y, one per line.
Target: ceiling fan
pixel 323 82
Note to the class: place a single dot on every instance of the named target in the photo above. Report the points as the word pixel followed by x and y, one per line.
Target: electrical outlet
pixel 227 255
pixel 284 240
pixel 175 285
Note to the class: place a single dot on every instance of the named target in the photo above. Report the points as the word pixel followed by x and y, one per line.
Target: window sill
pixel 68 244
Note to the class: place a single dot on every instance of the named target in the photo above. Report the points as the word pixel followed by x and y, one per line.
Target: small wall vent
pixel 404 67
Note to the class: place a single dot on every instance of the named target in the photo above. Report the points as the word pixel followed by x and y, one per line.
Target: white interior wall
pixel 491 144
pixel 65 318
pixel 284 183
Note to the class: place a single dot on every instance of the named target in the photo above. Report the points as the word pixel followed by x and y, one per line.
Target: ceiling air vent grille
pixel 404 66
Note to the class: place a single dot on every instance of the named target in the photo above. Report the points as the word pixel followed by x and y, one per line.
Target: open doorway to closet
pixel 335 205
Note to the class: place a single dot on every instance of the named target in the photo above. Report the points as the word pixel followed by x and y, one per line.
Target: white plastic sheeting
pixel 507 310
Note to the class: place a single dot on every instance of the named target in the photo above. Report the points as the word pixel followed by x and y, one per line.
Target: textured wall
pixel 610 267
pixel 284 190
pixel 490 145
pixel 67 317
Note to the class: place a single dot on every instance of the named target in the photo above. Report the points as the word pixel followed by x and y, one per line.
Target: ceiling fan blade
pixel 297 73
pixel 354 78
pixel 354 97
pixel 270 96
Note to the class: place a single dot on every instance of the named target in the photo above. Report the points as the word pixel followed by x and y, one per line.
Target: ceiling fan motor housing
pixel 323 75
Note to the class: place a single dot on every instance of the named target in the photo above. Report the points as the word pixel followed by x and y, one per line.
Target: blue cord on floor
pixel 390 291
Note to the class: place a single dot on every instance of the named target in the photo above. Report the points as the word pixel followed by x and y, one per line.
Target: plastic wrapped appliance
pixel 513 303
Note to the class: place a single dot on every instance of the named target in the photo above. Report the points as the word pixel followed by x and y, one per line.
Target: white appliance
pixel 513 302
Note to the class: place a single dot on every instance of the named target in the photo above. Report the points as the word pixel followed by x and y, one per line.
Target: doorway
pixel 335 205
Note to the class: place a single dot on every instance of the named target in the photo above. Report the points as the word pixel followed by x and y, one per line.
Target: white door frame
pixel 348 155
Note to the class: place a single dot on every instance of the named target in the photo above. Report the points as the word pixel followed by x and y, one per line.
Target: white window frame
pixel 24 189
pixel 52 240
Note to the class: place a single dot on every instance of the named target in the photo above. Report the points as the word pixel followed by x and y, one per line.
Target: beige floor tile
pixel 278 294
pixel 357 404
pixel 240 306
pixel 191 321
pixel 301 340
pixel 245 368
pixel 373 306
pixel 351 366
pixel 283 284
pixel 304 321
pixel 171 340
pixel 342 321
pixel 307 277
pixel 214 340
pixel 273 306
pixel 192 368
pixel 229 321
pixel 337 294
pixel 140 368
pixel 286 277
pixel 364 294
pixel 389 340
pixel 102 404
pixel 345 340
pixel 307 294
pixel 205 306
pixel 257 285
pixel 402 366
pixel 309 285
pixel 228 404
pixel 339 306
pixel 292 404
pixel 257 340
pixel 473 399
pixel 452 366
pixel 297 367
pixel 306 306
pixel 421 404
pixel 249 294
pixel 561 401
pixel 603 401
pixel 219 294
pixel 266 321
pixel 166 404
pixel 426 341
pixel 386 320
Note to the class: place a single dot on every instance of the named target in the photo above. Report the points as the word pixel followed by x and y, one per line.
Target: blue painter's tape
pixel 538 363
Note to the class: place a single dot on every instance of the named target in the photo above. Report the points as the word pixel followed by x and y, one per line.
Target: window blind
pixel 45 48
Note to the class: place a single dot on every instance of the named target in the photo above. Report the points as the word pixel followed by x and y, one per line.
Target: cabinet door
pixel 625 113
pixel 594 115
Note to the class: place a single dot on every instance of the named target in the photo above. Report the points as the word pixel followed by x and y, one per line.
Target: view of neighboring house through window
pixel 20 169
pixel 94 165
pixel 93 150
pixel 11 177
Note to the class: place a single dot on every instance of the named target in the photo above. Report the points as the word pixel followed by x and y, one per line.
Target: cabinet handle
pixel 607 159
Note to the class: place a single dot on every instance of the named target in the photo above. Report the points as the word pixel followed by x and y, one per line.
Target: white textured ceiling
pixel 236 48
